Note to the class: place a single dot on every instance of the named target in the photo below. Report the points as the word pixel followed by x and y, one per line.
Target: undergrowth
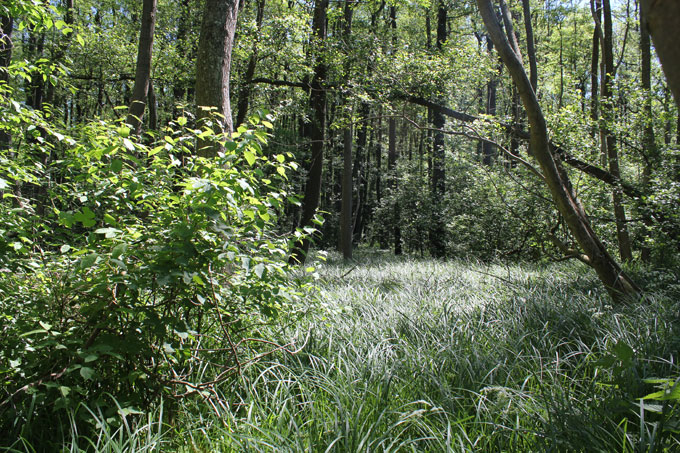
pixel 421 355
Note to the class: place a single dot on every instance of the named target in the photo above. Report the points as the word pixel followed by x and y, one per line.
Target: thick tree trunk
pixel 612 149
pixel 617 283
pixel 663 23
pixel 140 91
pixel 315 132
pixel 213 66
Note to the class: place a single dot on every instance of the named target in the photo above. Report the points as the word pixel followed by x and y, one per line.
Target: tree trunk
pixel 213 66
pixel 488 149
pixel 346 209
pixel 663 23
pixel 6 26
pixel 650 152
pixel 595 6
pixel 315 132
pixel 437 232
pixel 140 91
pixel 531 48
pixel 617 283
pixel 346 225
pixel 244 91
pixel 359 171
pixel 612 150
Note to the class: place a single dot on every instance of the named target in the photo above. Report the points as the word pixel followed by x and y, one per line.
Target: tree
pixel 617 283
pixel 213 65
pixel 663 22
pixel 6 26
pixel 140 91
pixel 315 131
pixel 437 231
pixel 609 139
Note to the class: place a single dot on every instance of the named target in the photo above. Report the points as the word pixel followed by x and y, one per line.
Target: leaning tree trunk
pixel 213 66
pixel 617 283
pixel 140 91
pixel 663 23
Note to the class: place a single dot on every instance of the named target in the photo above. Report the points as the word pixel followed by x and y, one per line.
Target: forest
pixel 338 226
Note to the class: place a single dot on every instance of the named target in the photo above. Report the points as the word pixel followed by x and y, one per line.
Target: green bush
pixel 133 271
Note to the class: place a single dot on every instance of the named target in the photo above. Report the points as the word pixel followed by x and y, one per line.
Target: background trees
pixel 427 95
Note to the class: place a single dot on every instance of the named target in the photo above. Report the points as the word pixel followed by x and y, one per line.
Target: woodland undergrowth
pixel 422 355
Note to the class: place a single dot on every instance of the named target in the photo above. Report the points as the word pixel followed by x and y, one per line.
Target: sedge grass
pixel 422 355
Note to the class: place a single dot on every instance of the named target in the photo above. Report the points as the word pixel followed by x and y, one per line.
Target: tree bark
pixel 663 23
pixel 617 283
pixel 213 66
pixel 140 91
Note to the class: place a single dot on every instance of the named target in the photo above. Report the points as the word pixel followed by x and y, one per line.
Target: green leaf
pixel 259 270
pixel 108 218
pixel 118 250
pixel 198 280
pixel 116 165
pixel 622 351
pixel 87 373
pixel 123 131
pixel 80 40
pixel 65 248
pixel 128 144
pixel 88 261
pixel 109 232
pixel 250 157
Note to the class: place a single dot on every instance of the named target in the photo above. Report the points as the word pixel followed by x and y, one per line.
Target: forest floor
pixel 421 355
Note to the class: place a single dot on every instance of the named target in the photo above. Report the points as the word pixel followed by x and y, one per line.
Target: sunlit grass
pixel 421 355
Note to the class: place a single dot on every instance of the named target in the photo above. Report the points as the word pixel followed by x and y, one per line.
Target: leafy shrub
pixel 135 271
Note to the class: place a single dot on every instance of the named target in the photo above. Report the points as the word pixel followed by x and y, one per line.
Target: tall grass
pixel 421 355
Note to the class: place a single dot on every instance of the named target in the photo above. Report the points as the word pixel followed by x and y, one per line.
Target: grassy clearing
pixel 414 355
